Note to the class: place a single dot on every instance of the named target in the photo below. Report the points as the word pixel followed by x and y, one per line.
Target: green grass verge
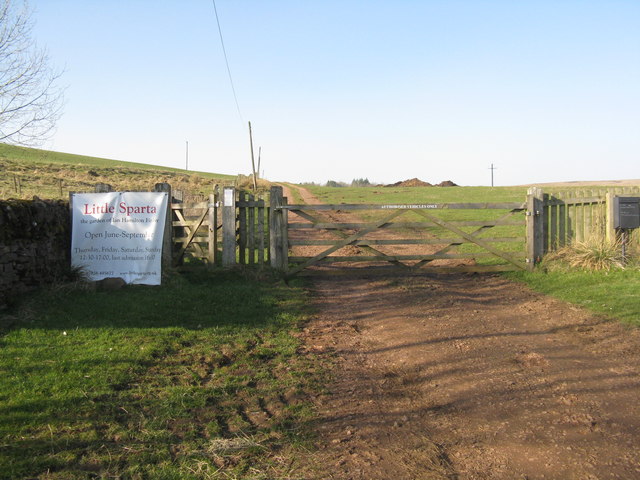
pixel 196 379
pixel 616 293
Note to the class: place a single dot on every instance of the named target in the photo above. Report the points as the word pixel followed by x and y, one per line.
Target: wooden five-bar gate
pixel 408 237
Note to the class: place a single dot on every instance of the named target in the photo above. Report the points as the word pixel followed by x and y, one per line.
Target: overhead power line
pixel 226 59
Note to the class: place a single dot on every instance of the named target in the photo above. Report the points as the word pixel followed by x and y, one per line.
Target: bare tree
pixel 30 99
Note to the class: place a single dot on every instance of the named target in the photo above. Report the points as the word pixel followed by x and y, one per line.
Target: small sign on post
pixel 626 216
pixel 626 212
pixel 229 227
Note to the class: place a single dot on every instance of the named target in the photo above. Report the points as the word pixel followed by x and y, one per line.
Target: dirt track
pixel 470 377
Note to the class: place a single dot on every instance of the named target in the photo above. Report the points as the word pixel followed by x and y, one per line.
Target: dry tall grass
pixel 55 181
pixel 597 253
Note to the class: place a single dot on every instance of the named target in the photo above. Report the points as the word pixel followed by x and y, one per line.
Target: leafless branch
pixel 30 99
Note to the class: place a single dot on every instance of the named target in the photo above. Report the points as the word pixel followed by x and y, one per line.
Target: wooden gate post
pixel 278 247
pixel 228 227
pixel 535 226
pixel 103 188
pixel 211 233
pixel 611 231
pixel 167 240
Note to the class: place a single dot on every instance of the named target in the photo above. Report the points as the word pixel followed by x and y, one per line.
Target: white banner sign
pixel 119 234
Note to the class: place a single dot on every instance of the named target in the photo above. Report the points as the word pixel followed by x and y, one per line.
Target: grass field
pixel 196 379
pixel 51 175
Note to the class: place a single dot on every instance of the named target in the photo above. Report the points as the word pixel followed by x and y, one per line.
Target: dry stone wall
pixel 34 245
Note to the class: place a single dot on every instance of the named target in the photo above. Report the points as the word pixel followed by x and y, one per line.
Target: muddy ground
pixel 469 377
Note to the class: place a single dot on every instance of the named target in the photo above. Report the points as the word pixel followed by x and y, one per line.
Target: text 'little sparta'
pixel 122 207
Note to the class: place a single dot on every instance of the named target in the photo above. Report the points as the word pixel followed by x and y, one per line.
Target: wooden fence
pixel 580 215
pixel 240 228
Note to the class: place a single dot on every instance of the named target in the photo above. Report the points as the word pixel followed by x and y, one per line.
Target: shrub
pixel 333 183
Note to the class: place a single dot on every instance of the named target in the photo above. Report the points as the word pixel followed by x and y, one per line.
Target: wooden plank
pixel 183 240
pixel 535 229
pixel 588 220
pixel 268 222
pixel 416 206
pixel 610 230
pixel 242 229
pixel 188 223
pixel 577 201
pixel 402 225
pixel 249 203
pixel 571 229
pixel 579 220
pixel 251 230
pixel 410 241
pixel 396 258
pixel 372 272
pixel 545 223
pixel 276 240
pixel 553 227
pixel 211 230
pixel 189 206
pixel 261 233
pixel 285 235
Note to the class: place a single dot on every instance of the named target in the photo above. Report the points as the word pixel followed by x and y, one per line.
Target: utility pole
pixel 253 162
pixel 492 168
pixel 186 162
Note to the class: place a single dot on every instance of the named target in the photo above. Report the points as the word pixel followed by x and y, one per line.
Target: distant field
pixel 52 175
pixel 418 194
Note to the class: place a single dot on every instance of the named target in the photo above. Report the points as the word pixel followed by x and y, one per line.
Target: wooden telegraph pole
pixel 492 168
pixel 253 162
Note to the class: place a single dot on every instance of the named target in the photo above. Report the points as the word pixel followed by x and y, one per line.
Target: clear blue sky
pixel 545 90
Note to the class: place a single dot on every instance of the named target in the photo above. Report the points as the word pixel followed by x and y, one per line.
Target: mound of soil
pixel 446 183
pixel 414 182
